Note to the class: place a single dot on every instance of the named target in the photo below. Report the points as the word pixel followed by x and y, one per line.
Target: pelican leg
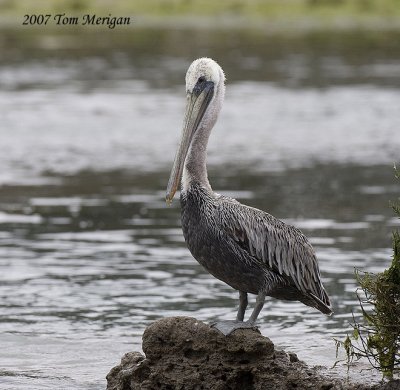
pixel 257 308
pixel 227 327
pixel 242 305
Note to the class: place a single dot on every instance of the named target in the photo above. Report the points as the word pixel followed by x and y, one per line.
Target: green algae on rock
pixel 377 338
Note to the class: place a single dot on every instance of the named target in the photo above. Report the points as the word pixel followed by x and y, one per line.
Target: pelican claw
pixel 227 327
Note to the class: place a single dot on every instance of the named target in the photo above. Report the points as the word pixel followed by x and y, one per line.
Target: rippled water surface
pixel 90 254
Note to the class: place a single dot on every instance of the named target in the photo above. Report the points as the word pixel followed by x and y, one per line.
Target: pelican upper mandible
pixel 247 248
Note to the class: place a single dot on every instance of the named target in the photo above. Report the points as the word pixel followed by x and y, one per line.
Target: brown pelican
pixel 247 248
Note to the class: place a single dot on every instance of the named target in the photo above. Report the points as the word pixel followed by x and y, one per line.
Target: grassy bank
pixel 280 14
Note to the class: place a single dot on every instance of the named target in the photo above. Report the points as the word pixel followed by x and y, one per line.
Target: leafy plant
pixel 377 338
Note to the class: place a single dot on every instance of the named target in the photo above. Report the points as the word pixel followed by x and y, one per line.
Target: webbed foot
pixel 228 326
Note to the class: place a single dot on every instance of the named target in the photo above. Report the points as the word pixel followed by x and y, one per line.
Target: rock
pixel 392 385
pixel 119 377
pixel 183 353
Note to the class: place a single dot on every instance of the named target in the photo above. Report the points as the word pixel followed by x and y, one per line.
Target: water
pixel 90 254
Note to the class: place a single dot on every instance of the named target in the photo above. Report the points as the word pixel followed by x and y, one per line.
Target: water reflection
pixel 90 253
pixel 104 264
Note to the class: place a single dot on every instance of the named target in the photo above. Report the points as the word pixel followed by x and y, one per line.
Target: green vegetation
pixel 334 12
pixel 377 338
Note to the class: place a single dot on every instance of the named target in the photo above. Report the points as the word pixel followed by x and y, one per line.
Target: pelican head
pixel 205 89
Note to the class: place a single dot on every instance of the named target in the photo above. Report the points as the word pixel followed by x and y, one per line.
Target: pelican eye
pixel 201 85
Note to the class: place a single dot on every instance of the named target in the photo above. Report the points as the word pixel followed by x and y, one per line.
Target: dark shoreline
pixel 184 353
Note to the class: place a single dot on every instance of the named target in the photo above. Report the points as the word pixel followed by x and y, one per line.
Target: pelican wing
pixel 281 248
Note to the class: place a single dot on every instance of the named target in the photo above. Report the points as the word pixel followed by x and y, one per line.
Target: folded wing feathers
pixel 283 248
